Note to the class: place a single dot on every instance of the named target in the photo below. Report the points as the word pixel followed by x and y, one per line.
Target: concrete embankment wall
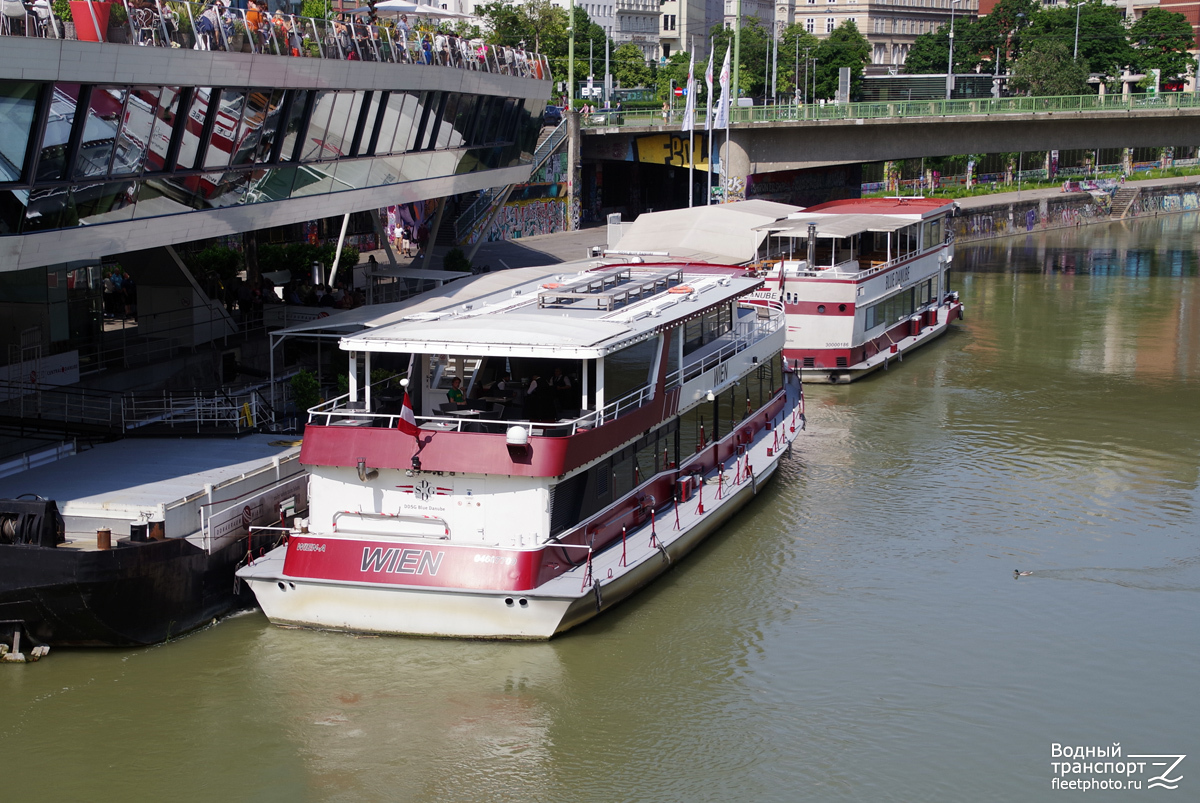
pixel 1010 217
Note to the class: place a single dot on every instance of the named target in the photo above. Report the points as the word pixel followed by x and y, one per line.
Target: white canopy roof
pixel 837 225
pixel 721 233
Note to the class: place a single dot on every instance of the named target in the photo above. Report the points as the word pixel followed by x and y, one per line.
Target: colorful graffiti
pixel 534 208
pixel 1001 220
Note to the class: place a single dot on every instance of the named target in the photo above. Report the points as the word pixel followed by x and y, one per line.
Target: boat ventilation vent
pixel 609 290
pixel 841 362
pixel 810 362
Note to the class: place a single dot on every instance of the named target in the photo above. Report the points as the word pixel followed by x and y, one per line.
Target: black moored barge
pixel 136 542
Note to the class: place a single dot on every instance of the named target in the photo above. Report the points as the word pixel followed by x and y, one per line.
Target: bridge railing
pixel 904 109
pixel 205 26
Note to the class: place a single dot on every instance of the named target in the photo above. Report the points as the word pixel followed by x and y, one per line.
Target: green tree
pixel 1161 40
pixel 1001 31
pixel 796 47
pixel 755 54
pixel 674 73
pixel 317 9
pixel 845 47
pixel 1103 43
pixel 1047 69
pixel 929 52
pixel 629 66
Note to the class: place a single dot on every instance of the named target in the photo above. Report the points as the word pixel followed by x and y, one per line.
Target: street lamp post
pixel 1078 3
pixel 571 59
pixel 950 61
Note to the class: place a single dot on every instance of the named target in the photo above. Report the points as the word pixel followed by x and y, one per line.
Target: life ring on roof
pixel 680 289
pixel 551 285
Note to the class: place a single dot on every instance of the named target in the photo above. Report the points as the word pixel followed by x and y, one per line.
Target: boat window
pixel 701 331
pixel 933 233
pixel 890 310
pixel 925 292
pixel 907 240
pixel 629 369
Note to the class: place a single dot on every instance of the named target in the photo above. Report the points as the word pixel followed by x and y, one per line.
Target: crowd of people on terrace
pixel 216 25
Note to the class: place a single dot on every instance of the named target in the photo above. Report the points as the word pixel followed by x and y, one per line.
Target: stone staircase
pixel 1123 200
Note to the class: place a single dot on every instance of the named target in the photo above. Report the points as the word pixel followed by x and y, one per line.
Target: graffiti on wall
pixel 536 207
pixel 806 187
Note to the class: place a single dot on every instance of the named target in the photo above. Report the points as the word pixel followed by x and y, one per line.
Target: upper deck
pixel 588 358
pixel 854 240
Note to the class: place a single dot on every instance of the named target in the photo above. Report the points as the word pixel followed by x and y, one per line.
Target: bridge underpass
pixel 830 151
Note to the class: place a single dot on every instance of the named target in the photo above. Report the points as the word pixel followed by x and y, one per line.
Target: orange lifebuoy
pixel 681 288
pixel 551 285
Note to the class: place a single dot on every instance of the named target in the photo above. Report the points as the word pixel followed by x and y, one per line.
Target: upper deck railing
pixel 905 109
pixel 197 26
pixel 762 319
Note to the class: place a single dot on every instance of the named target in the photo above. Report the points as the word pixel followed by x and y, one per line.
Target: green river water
pixel 856 634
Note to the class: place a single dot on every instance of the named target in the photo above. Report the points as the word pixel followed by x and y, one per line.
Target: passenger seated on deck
pixel 455 394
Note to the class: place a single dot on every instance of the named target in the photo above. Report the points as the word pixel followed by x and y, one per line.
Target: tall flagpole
pixel 708 121
pixel 689 125
pixel 723 120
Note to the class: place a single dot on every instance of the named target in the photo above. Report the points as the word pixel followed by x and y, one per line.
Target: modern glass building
pixel 107 149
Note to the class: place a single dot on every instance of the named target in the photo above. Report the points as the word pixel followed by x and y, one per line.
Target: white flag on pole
pixel 689 108
pixel 708 83
pixel 723 107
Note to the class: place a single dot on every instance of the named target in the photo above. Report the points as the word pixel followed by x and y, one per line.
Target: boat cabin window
pixel 932 233
pixel 629 369
pixel 890 310
pixel 701 331
pixel 907 240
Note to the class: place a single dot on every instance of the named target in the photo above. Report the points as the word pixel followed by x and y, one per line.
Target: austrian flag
pixel 407 423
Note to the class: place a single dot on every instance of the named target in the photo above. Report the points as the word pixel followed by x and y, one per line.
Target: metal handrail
pixel 881 110
pixel 166 29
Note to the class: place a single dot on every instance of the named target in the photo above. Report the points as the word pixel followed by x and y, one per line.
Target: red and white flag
pixel 407 422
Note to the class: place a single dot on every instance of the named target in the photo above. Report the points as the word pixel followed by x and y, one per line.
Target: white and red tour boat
pixel 861 281
pixel 561 440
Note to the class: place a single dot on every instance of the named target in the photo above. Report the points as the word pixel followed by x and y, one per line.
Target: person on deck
pixel 455 395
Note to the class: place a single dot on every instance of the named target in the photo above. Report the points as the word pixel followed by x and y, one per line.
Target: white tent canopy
pixel 718 233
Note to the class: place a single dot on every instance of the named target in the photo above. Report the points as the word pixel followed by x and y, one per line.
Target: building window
pixel 829 24
pixel 810 25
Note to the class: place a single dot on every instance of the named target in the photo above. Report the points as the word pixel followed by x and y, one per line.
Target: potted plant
pixel 118 23
pixel 62 13
pixel 91 19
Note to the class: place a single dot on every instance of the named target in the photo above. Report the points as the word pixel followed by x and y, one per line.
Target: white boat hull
pixel 556 606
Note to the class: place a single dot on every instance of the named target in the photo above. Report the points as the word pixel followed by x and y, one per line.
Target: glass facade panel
pixel 130 132
pixel 341 124
pixel 103 203
pixel 256 133
pixel 318 126
pixel 291 130
pixel 228 122
pixel 446 136
pixel 18 105
pixel 134 138
pixel 160 135
pixel 58 132
pixel 189 149
pixel 106 105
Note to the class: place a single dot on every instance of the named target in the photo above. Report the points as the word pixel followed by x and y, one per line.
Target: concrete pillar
pixel 573 164
pixel 735 165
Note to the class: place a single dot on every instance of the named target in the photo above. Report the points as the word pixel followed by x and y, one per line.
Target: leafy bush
pixel 456 260
pixel 215 259
pixel 305 391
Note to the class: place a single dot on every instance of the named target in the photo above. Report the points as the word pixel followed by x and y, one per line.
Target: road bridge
pixel 771 139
